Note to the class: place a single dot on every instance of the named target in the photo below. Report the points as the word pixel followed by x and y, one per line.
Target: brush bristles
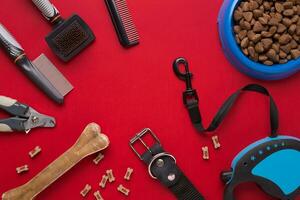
pixel 127 21
pixel 70 38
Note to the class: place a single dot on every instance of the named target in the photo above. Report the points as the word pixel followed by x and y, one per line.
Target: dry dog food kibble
pixel 268 31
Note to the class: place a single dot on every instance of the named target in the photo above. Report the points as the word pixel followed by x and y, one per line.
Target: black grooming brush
pixel 70 36
pixel 123 23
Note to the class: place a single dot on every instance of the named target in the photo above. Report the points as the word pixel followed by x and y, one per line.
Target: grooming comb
pixel 40 71
pixel 70 36
pixel 123 23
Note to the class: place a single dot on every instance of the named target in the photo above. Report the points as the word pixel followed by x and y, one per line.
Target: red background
pixel 125 90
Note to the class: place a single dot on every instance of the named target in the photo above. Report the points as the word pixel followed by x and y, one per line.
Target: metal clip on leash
pixel 162 166
pixel 191 101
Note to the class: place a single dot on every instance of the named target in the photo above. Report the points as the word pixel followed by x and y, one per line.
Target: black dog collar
pixel 162 166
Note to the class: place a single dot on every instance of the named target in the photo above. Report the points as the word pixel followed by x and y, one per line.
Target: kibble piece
pixel 242 34
pixel 268 62
pixel 237 29
pixel 248 16
pixel 98 195
pixel 279 7
pixel 262 58
pixel 257 13
pixel 281 28
pixel 266 34
pixel 295 53
pixel 278 16
pixel 295 19
pixel 292 29
pixel 271 54
pixel 245 25
pixel 276 36
pixel 273 30
pixel 245 42
pixel 267 43
pixel 263 20
pixel 258 27
pixel 284 39
pixel 273 21
pixel 123 190
pixel 85 190
pixel 267 5
pixel 276 47
pixel 282 54
pixel 245 51
pixel 288 12
pixel 237 15
pixel 288 5
pixel 251 51
pixel 293 44
pixel 259 47
pixel 287 22
pixel 286 48
pixel 253 5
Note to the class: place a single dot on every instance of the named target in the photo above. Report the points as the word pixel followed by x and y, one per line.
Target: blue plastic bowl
pixel 238 59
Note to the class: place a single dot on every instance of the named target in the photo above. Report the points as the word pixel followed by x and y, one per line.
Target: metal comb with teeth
pixel 123 23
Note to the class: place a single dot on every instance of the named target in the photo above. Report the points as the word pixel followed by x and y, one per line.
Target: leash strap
pixel 191 101
pixel 162 166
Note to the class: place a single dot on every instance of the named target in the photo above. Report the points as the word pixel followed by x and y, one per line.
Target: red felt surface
pixel 125 90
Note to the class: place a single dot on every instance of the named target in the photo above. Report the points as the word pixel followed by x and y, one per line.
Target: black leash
pixel 191 101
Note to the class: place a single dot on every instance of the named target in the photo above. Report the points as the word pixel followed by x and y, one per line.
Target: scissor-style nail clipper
pixel 25 118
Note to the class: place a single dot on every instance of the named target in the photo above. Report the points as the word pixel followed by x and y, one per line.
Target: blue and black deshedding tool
pixel 272 163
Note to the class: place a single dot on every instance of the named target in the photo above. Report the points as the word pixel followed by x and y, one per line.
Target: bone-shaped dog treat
pixel 87 188
pixel 22 169
pixel 103 181
pixel 128 173
pixel 205 153
pixel 99 157
pixel 216 142
pixel 110 175
pixel 91 141
pixel 35 152
pixel 123 190
pixel 98 195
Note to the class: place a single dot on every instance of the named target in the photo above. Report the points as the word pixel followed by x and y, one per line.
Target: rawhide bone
pixel 90 141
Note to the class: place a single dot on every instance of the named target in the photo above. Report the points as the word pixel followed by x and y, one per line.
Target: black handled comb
pixel 70 36
pixel 123 23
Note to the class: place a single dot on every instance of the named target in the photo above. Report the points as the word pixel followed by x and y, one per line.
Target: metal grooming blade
pixel 41 71
pixel 57 79
pixel 70 36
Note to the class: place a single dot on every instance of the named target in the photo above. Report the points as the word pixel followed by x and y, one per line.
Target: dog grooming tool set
pixel 272 163
pixel 25 118
pixel 89 142
pixel 123 23
pixel 70 36
pixel 162 166
pixel 41 71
